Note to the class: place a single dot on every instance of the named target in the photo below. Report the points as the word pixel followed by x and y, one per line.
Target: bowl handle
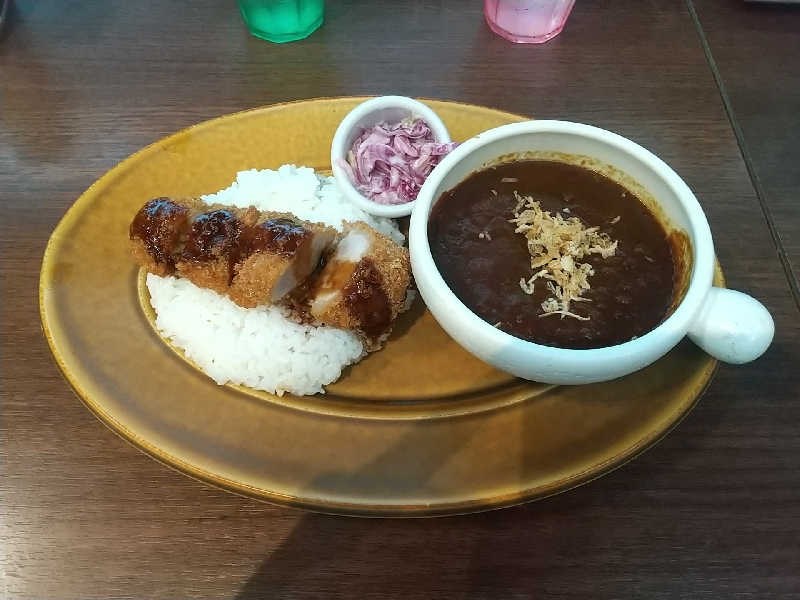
pixel 732 327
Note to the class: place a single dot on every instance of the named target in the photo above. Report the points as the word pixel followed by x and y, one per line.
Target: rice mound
pixel 262 348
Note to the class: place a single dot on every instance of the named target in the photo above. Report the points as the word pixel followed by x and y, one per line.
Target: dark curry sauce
pixel 482 259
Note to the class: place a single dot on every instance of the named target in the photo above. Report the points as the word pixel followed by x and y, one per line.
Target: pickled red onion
pixel 388 163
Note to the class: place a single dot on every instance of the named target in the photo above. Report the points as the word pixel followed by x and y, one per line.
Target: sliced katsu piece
pixel 186 235
pixel 363 284
pixel 158 231
pixel 254 257
pixel 213 246
pixel 277 254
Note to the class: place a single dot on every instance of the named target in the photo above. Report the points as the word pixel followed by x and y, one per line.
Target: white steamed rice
pixel 260 347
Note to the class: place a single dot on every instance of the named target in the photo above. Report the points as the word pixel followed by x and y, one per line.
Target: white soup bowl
pixel 729 325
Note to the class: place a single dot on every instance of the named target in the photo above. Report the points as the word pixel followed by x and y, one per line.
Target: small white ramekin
pixel 364 116
pixel 729 325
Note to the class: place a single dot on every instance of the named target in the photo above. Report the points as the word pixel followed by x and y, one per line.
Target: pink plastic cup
pixel 527 21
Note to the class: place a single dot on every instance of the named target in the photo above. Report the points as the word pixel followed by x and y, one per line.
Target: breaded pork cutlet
pixel 254 257
pixel 260 257
pixel 363 284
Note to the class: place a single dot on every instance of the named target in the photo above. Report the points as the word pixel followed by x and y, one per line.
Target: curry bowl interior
pixel 637 177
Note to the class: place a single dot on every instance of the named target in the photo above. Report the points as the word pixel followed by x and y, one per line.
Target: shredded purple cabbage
pixel 389 162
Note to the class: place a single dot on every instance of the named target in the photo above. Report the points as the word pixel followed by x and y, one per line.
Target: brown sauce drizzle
pixel 367 300
pixel 213 235
pixel 279 236
pixel 158 225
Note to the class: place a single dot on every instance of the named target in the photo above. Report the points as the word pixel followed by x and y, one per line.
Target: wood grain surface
pixel 756 52
pixel 711 512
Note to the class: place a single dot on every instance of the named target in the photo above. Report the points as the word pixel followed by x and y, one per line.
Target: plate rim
pixel 347 509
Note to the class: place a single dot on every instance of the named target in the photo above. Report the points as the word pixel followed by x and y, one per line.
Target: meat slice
pixel 254 257
pixel 363 284
pixel 213 246
pixel 157 232
pixel 277 254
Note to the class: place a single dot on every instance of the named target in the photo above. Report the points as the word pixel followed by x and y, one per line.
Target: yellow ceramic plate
pixel 419 428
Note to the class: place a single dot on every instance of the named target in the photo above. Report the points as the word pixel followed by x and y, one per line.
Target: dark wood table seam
pixel 754 179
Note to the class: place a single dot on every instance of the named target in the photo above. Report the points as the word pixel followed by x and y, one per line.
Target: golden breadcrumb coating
pixel 384 269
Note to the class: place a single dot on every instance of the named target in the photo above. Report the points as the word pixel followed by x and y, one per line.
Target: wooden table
pixel 713 511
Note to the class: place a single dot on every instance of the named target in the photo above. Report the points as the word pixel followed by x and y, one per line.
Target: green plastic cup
pixel 282 20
